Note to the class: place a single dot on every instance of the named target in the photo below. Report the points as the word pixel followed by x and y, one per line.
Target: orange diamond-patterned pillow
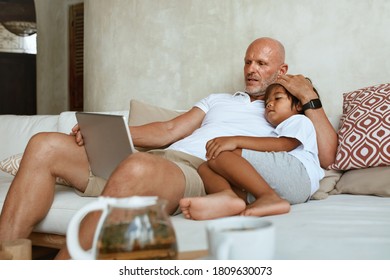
pixel 364 134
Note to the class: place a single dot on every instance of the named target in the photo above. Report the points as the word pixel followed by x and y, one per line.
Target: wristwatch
pixel 312 104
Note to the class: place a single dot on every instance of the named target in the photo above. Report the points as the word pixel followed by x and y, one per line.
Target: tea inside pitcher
pixel 140 239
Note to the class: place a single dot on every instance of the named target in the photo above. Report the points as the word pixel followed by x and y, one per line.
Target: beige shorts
pixel 95 186
pixel 188 165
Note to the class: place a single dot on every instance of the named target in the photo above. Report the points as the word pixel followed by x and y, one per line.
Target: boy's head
pixel 281 104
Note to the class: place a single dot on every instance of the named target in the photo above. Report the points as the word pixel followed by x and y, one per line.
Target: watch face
pixel 312 104
pixel 316 103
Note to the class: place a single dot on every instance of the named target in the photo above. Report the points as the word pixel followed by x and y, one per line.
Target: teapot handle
pixel 223 250
pixel 72 234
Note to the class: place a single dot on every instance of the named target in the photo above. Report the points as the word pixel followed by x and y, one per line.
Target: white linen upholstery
pixel 16 131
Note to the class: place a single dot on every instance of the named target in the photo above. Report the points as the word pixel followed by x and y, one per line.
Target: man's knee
pixel 40 141
pixel 138 165
pixel 46 143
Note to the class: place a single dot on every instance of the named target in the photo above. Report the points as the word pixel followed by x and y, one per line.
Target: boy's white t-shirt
pixel 226 115
pixel 301 128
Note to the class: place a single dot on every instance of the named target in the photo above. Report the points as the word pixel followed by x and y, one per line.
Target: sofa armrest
pixel 16 131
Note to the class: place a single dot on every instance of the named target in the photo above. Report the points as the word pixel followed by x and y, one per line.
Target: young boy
pixel 259 176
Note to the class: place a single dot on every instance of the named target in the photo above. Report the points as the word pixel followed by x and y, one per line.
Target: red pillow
pixel 364 134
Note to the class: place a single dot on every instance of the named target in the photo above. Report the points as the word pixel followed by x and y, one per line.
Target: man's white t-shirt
pixel 226 115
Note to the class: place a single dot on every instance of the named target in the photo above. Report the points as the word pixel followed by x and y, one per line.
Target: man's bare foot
pixel 212 206
pixel 266 206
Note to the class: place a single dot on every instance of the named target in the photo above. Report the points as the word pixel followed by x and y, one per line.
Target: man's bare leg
pixel 31 193
pixel 140 174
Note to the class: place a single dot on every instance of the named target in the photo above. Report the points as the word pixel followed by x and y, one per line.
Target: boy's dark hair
pixel 295 101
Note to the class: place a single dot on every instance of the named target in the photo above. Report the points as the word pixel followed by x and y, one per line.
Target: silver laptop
pixel 107 141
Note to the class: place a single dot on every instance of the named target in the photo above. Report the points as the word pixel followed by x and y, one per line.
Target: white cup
pixel 241 238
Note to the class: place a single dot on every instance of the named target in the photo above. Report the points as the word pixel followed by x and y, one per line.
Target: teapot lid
pixel 131 201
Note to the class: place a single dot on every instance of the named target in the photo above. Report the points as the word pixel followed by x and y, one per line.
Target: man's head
pixel 264 62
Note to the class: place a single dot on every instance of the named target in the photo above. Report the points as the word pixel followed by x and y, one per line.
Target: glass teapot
pixel 132 228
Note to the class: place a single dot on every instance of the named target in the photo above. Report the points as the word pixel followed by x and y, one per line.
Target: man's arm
pixel 159 134
pixel 300 87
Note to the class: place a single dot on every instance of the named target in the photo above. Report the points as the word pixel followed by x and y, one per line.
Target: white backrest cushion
pixel 16 131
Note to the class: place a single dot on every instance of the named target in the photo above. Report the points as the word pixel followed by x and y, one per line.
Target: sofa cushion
pixel 143 113
pixel 327 184
pixel 364 134
pixel 19 129
pixel 365 181
pixel 11 164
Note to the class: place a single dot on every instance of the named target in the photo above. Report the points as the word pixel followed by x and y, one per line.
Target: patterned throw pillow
pixel 11 166
pixel 364 134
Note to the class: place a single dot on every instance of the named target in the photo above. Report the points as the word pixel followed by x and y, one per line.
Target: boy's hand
pixel 217 145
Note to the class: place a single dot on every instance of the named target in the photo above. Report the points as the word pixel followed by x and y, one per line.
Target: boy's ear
pixel 299 107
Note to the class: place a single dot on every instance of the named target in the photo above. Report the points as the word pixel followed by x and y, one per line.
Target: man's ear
pixel 283 69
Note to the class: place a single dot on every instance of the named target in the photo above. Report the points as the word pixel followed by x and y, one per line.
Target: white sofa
pixel 340 226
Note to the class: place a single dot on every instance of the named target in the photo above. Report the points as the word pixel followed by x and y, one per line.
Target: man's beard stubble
pixel 260 90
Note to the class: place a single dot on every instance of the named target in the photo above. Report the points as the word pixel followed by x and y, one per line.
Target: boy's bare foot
pixel 267 205
pixel 212 206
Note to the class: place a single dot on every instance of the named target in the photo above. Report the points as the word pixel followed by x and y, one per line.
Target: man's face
pixel 261 69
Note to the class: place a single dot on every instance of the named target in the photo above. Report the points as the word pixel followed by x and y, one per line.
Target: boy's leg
pixel 31 193
pixel 243 175
pixel 220 200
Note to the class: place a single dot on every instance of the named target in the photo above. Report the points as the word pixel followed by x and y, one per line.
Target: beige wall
pixel 174 52
pixel 52 55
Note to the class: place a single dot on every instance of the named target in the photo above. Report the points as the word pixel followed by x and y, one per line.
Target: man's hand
pixel 299 86
pixel 217 145
pixel 78 137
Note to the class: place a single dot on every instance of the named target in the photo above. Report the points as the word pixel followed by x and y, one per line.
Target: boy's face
pixel 278 106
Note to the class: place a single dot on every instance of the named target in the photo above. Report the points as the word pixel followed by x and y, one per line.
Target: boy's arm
pixel 158 134
pixel 262 144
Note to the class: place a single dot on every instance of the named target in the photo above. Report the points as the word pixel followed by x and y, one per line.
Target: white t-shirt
pixel 301 128
pixel 226 115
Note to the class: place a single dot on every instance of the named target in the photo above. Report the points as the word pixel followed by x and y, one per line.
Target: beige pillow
pixel 143 113
pixel 327 184
pixel 11 166
pixel 367 181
